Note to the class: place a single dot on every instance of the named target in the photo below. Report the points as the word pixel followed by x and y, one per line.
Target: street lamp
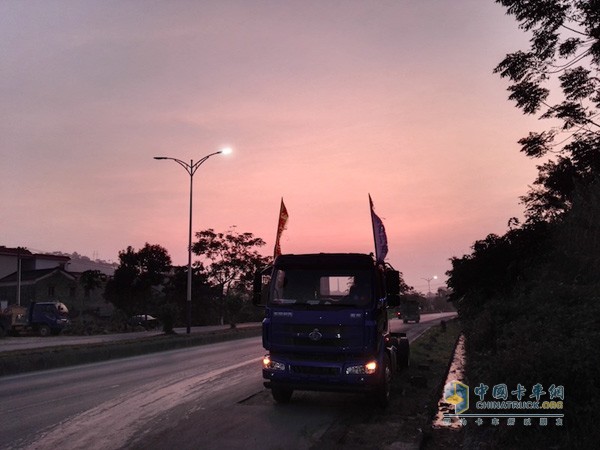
pixel 191 170
pixel 429 283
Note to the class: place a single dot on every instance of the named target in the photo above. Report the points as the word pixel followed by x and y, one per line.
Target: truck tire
pixel 44 330
pixel 281 395
pixel 382 393
pixel 403 354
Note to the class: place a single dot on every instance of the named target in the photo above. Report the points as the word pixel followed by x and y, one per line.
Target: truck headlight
pixel 268 363
pixel 363 369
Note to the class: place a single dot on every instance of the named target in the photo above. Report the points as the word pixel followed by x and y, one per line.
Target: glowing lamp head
pixel 371 367
pixel 226 151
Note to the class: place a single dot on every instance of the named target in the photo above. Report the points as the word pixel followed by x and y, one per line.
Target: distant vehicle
pixel 144 320
pixel 410 311
pixel 43 318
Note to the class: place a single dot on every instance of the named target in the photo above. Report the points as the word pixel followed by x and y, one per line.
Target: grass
pixel 415 394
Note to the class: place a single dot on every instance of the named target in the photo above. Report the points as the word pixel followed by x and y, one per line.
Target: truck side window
pixel 279 285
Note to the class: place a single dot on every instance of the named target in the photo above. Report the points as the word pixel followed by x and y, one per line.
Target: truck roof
pixel 333 260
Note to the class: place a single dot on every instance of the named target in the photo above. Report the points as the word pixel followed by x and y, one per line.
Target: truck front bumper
pixel 307 375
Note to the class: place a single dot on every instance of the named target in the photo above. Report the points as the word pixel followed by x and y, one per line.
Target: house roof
pixel 33 276
pixel 7 251
pixel 24 253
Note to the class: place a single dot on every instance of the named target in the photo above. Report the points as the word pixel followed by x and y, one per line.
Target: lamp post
pixel 429 283
pixel 191 170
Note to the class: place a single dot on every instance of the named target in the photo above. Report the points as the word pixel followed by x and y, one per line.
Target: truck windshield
pixel 321 287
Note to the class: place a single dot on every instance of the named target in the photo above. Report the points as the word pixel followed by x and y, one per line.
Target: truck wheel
pixel 44 330
pixel 382 394
pixel 403 359
pixel 282 395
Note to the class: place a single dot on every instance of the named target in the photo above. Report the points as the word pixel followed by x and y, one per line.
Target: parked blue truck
pixel 43 318
pixel 326 325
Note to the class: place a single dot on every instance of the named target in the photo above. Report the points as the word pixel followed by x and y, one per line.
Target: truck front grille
pixel 331 336
pixel 314 370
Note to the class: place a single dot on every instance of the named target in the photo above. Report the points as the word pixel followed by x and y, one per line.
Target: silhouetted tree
pixel 204 311
pixel 528 299
pixel 90 280
pixel 565 49
pixel 138 271
pixel 229 261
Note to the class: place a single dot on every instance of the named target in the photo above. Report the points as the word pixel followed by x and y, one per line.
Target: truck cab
pixel 410 311
pixel 43 318
pixel 326 325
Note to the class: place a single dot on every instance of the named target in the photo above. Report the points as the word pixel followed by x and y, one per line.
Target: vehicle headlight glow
pixel 268 363
pixel 362 369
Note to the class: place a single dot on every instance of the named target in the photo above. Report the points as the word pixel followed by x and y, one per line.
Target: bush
pixel 543 324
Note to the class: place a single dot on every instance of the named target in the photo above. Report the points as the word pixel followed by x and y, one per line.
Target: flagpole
pixel 373 226
pixel 281 223
pixel 379 235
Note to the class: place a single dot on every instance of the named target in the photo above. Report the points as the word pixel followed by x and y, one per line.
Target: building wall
pixel 43 263
pixel 8 265
pixel 54 287
pixel 9 259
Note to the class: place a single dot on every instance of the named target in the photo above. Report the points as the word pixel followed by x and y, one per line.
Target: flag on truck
pixel 283 218
pixel 381 245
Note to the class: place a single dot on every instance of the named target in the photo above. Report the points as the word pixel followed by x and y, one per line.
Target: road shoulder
pixel 406 423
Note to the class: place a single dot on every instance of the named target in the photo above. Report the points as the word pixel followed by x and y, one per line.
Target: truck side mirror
pixel 392 287
pixel 260 287
pixel 392 282
pixel 393 300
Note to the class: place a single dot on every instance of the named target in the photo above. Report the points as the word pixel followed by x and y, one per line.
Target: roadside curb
pixel 427 434
pixel 423 439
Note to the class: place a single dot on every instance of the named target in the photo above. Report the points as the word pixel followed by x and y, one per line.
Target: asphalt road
pixel 9 343
pixel 203 397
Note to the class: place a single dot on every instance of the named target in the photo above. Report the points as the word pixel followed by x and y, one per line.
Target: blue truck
pixel 43 318
pixel 326 325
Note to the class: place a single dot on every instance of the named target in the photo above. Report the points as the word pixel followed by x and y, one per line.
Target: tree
pixel 565 49
pixel 90 280
pixel 229 261
pixel 175 292
pixel 138 271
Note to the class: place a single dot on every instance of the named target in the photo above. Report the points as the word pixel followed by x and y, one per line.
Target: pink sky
pixel 323 103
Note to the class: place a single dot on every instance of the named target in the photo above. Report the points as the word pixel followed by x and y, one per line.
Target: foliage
pixel 175 291
pixel 540 324
pixel 229 261
pixel 228 257
pixel 130 289
pixel 564 51
pixel 496 264
pixel 90 280
pixel 167 315
pixel 528 300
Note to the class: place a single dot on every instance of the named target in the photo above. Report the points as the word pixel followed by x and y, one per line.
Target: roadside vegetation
pixel 145 282
pixel 415 393
pixel 529 300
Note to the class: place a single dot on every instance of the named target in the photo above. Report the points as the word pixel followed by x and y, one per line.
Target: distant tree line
pixel 146 282
pixel 529 300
